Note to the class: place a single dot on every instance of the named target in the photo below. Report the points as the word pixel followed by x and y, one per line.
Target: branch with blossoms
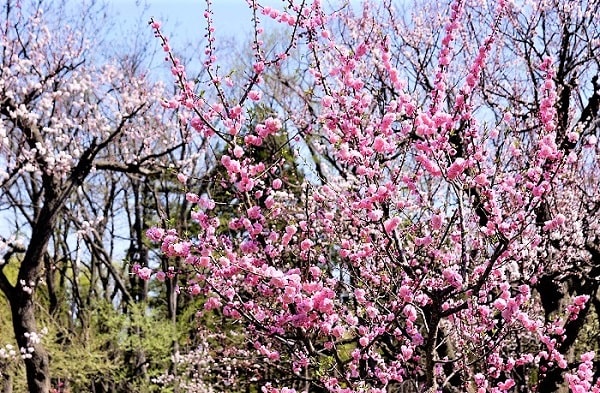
pixel 207 115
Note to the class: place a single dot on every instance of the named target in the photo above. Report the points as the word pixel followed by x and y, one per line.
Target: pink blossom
pixel 181 249
pixel 203 261
pixel 206 203
pixel 155 234
pixel 255 95
pixel 379 145
pixel 375 215
pixel 259 67
pixel 238 151
pixel 457 167
pixel 273 124
pixel 306 244
pixel 327 101
pixel 410 312
pixel 507 385
pixel 482 180
pixel 212 303
pixel 182 178
pixel 254 212
pixel 573 136
pixel 436 221
pixel 274 355
pixel 452 277
pixel 269 202
pixel 555 223
pixel 359 293
pixel 144 273
pixel 580 300
pixel 391 224
pixel 429 165
pixel 233 166
pixel 363 341
pixel 315 271
pixel 406 351
pixel 588 356
pixel 369 239
pixel 191 197
pixel 500 304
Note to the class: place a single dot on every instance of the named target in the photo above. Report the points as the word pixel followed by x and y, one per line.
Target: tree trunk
pixel 38 374
pixel 21 295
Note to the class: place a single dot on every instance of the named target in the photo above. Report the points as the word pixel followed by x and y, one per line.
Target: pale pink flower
pixel 144 273
pixel 255 95
pixel 182 178
pixel 155 234
pixel 391 224
pixel 277 183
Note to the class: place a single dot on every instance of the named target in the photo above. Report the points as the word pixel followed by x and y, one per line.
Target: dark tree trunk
pixel 21 295
pixel 38 375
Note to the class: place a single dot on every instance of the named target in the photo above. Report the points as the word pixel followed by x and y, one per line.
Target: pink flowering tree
pixel 443 235
pixel 80 135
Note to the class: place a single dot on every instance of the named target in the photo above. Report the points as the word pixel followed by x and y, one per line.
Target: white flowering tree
pixel 78 132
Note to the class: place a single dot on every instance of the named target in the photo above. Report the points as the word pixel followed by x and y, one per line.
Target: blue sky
pixel 182 19
pixel 183 23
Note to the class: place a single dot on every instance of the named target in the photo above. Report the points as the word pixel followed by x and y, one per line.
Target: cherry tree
pixel 443 235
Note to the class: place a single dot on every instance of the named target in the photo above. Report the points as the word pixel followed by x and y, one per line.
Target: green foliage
pixel 110 347
pixel 590 332
pixel 12 367
pixel 138 343
pixel 11 270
